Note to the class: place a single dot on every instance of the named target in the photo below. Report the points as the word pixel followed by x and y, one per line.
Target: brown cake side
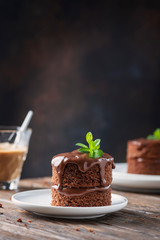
pixel 73 177
pixel 81 181
pixel 92 199
pixel 143 156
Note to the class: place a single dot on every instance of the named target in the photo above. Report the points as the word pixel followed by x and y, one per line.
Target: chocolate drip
pixel 84 163
pixel 79 191
pixel 142 142
pixel 146 160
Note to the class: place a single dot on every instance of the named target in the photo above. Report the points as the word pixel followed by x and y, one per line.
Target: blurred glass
pixel 13 151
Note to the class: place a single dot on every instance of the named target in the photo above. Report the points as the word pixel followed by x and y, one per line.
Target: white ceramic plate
pixel 38 202
pixel 134 182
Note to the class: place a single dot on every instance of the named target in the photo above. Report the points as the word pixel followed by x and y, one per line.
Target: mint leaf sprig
pixel 94 146
pixel 155 136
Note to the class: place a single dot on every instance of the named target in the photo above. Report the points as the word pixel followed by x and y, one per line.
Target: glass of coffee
pixel 13 151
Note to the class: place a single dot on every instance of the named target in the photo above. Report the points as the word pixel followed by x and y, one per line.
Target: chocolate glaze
pixel 83 161
pixel 142 142
pixel 79 191
pixel 147 160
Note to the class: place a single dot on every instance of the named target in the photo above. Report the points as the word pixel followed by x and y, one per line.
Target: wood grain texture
pixel 139 220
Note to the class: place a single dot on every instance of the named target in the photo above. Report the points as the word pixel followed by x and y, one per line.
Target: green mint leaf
pixel 94 146
pixel 157 133
pixel 84 150
pixel 150 137
pixel 155 136
pixel 97 147
pixel 97 141
pixel 98 153
pixel 81 145
pixel 89 137
pixel 91 154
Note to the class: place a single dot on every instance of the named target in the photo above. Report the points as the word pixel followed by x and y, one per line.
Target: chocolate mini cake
pixel 143 156
pixel 81 181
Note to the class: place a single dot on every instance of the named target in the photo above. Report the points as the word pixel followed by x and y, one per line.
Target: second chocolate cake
pixel 143 156
pixel 81 181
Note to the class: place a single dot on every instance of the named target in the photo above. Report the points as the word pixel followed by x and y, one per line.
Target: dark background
pixel 80 66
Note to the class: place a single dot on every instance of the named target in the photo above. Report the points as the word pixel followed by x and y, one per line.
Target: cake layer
pixel 79 191
pixel 73 177
pixel 143 148
pixel 144 166
pixel 90 199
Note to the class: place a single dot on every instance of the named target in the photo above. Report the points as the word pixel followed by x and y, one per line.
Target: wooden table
pixel 139 220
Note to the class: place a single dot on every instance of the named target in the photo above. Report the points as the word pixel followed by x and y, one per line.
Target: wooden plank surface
pixel 139 220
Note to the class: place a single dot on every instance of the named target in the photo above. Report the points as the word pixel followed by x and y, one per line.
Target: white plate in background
pixel 134 182
pixel 38 202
